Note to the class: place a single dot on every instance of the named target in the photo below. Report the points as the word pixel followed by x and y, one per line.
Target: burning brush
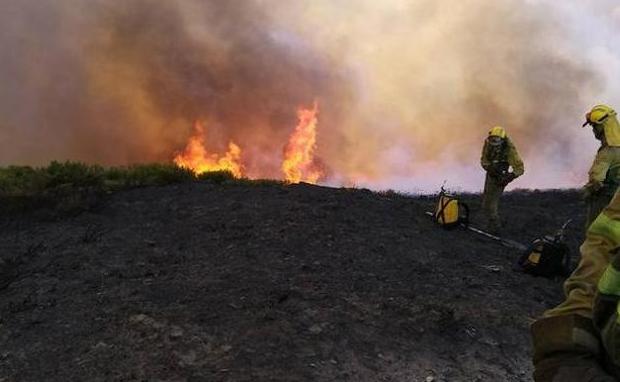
pixel 298 165
pixel 197 158
pixel 299 161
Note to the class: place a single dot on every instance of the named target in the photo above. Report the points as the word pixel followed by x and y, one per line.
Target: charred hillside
pixel 267 282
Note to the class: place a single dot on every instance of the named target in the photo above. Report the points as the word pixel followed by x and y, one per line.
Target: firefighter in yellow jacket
pixel 499 157
pixel 579 340
pixel 604 175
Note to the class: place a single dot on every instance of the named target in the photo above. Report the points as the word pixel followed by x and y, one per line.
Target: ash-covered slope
pixel 203 282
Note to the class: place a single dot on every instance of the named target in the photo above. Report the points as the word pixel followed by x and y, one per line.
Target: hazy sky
pixel 407 90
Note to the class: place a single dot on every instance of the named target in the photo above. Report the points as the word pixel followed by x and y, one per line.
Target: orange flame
pixel 299 162
pixel 198 159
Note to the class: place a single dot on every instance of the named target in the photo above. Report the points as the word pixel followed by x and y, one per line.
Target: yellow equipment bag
pixel 450 212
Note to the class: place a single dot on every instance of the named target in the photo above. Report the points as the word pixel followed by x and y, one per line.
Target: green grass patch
pixel 217 177
pixel 259 182
pixel 155 174
pixel 75 186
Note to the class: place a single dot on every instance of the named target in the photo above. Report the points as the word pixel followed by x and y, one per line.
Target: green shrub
pixel 217 177
pixel 16 180
pixel 155 174
pixel 259 182
pixel 73 174
pixel 75 186
pixel 391 194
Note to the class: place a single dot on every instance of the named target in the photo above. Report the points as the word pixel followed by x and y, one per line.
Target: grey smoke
pixel 407 89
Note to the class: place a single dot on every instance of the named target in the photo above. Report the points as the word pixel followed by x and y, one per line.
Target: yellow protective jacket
pixel 602 239
pixel 499 158
pixel 605 169
pixel 610 129
pixel 584 330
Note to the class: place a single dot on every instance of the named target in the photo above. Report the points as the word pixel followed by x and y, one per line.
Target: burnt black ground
pixel 203 282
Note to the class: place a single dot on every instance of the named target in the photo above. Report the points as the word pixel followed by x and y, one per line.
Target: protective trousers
pixel 604 177
pixel 595 204
pixel 493 191
pixel 579 340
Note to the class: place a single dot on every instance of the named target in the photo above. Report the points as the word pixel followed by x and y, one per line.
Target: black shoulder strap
pixel 444 200
pixel 465 218
pixel 567 263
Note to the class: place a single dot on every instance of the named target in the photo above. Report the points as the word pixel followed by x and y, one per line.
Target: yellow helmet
pixel 598 115
pixel 497 131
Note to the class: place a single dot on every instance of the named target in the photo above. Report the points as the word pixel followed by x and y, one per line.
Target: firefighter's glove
pixel 506 178
pixel 496 173
pixel 567 349
pixel 509 177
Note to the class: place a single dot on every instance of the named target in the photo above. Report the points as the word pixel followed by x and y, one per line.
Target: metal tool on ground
pixel 503 241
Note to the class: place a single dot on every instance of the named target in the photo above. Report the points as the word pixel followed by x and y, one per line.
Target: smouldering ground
pixel 204 282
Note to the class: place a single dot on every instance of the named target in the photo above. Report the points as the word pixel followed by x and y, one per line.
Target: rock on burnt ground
pixel 204 282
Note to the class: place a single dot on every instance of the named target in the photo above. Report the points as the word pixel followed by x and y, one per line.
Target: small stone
pixel 493 268
pixel 489 341
pixel 188 359
pixel 155 324
pixel 100 345
pixel 315 329
pixel 137 318
pixel 176 332
pixel 145 320
pixel 430 378
pixel 307 352
pixel 226 348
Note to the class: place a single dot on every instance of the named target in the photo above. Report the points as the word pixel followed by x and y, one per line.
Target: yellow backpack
pixel 450 212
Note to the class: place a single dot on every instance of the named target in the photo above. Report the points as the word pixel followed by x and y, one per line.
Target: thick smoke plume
pixel 123 82
pixel 407 89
